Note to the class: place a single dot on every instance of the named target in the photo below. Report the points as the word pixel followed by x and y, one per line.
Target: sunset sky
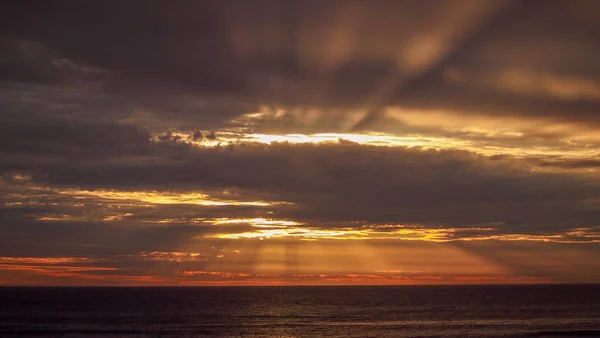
pixel 299 142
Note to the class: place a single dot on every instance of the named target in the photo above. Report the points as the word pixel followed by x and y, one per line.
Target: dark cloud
pixel 570 164
pixel 329 183
pixel 308 53
pixel 33 62
pixel 59 138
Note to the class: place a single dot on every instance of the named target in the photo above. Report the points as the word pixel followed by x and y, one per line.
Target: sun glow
pixel 256 222
pixel 372 139
pixel 481 134
pixel 162 197
pixel 279 229
pixel 304 233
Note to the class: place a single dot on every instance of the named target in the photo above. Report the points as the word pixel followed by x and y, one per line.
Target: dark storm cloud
pixel 330 184
pixel 309 53
pixel 33 62
pixel 63 139
pixel 82 84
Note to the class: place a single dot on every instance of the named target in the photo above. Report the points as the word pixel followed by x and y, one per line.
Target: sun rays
pixel 292 262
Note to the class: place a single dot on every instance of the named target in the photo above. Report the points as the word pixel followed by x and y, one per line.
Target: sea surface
pixel 403 311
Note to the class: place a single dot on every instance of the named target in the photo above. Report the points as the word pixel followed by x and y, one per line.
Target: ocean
pixel 331 311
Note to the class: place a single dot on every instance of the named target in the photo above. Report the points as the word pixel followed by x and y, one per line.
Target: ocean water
pixel 403 311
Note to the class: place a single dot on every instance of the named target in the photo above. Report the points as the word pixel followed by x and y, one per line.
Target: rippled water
pixel 404 311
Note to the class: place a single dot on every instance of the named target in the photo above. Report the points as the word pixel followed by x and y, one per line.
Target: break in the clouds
pixel 302 142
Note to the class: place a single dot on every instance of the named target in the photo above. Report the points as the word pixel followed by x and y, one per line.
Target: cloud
pixel 384 122
pixel 536 84
pixel 570 164
pixel 33 62
pixel 312 54
pixel 60 138
pixel 330 184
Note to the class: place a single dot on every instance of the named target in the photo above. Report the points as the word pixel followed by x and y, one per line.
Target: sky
pixel 308 142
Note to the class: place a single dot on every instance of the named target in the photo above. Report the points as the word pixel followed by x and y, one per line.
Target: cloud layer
pixel 175 134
